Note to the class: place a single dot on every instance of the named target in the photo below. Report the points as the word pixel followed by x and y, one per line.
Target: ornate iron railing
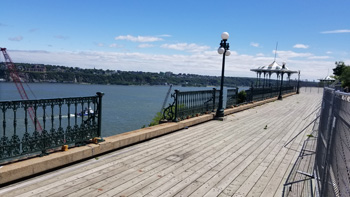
pixel 231 97
pixel 191 103
pixel 64 121
pixel 262 93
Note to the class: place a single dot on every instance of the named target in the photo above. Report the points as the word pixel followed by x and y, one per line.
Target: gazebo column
pixel 289 78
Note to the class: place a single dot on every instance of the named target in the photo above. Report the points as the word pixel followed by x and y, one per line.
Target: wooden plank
pixel 216 159
pixel 111 185
pixel 95 175
pixel 246 181
pixel 168 169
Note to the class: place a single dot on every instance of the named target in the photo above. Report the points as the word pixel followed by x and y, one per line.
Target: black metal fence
pixel 193 103
pixel 268 92
pixel 36 127
pixel 332 163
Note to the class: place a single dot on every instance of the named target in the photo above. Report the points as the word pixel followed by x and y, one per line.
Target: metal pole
pixel 99 107
pixel 298 83
pixel 280 95
pixel 220 111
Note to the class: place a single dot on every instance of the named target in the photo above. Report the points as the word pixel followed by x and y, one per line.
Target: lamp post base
pixel 219 118
pixel 220 113
pixel 279 97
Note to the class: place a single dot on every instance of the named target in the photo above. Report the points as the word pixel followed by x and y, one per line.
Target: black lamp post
pixel 298 86
pixel 224 50
pixel 282 72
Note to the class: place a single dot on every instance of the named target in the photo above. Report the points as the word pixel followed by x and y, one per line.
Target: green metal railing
pixel 63 121
pixel 191 103
pixel 263 93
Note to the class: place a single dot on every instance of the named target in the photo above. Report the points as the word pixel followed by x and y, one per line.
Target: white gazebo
pixel 327 81
pixel 267 71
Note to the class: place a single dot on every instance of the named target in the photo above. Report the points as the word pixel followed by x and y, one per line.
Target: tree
pixel 345 77
pixel 242 97
pixel 338 70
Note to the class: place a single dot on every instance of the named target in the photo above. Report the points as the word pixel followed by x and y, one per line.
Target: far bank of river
pixel 125 108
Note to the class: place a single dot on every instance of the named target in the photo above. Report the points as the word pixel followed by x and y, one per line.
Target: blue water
pixel 125 108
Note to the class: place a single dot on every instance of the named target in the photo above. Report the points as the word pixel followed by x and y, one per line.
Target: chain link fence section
pixel 325 172
pixel 332 164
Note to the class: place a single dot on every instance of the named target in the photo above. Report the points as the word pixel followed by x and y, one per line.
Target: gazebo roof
pixel 274 67
pixel 327 78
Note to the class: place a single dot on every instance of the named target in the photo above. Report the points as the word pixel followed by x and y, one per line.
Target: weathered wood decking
pixel 234 157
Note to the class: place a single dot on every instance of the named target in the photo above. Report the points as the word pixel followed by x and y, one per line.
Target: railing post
pixel 214 96
pixel 236 95
pixel 176 104
pixel 251 96
pixel 99 109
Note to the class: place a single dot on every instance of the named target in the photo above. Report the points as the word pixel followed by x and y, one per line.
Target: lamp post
pixel 224 50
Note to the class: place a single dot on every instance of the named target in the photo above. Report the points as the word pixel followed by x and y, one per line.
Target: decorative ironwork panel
pixel 72 121
pixel 191 103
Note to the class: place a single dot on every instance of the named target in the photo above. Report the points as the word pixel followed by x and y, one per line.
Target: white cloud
pixel 186 47
pixel 145 46
pixel 291 54
pixel 17 38
pixel 336 31
pixel 114 45
pixel 319 57
pixel 329 52
pixel 254 44
pixel 100 44
pixel 301 46
pixel 139 38
pixel 164 35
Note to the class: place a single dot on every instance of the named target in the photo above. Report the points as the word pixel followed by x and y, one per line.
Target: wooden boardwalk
pixel 240 156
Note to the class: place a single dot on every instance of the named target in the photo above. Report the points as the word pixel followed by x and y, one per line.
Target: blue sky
pixel 179 36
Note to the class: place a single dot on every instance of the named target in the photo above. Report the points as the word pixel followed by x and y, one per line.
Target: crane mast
pixel 17 80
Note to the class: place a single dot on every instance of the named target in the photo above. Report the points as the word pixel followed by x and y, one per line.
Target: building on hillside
pixel 36 68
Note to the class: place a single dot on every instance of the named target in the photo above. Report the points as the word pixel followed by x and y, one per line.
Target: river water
pixel 125 108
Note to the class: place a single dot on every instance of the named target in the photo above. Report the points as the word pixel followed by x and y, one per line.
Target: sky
pixel 178 36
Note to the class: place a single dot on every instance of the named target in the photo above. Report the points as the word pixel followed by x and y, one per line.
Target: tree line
pixel 62 74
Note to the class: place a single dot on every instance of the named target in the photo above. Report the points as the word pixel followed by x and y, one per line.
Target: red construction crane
pixel 17 80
